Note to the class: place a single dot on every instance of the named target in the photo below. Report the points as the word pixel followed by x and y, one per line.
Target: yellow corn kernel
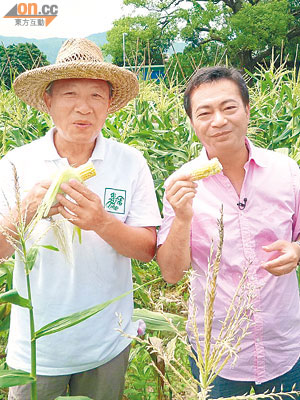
pixel 211 168
pixel 86 171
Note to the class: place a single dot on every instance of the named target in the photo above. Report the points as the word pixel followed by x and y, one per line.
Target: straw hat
pixel 77 58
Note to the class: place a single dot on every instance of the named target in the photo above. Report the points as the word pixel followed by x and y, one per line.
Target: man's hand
pixel 173 255
pixel 86 210
pixel 180 194
pixel 288 259
pixel 34 198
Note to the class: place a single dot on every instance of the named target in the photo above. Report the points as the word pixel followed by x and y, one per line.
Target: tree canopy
pixel 246 30
pixel 144 42
pixel 17 58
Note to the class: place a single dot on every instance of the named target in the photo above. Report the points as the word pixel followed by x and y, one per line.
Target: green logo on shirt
pixel 114 200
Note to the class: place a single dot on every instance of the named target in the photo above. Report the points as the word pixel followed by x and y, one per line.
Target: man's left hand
pixel 288 259
pixel 86 210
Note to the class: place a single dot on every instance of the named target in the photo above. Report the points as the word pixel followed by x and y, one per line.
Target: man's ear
pixel 191 122
pixel 47 100
pixel 248 111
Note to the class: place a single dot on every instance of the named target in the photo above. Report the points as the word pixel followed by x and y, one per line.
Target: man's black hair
pixel 212 74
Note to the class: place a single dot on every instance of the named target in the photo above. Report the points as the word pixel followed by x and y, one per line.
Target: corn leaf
pixel 5 324
pixel 78 231
pixel 13 297
pixel 74 319
pixel 49 247
pixel 157 321
pixel 73 397
pixel 15 377
pixel 6 273
pixel 31 257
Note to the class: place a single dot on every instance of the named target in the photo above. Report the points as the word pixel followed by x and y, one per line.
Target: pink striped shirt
pixel 272 188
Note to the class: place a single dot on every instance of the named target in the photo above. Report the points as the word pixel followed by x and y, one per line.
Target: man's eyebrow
pixel 205 106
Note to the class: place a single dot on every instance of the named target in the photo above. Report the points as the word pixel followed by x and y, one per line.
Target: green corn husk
pixel 62 228
pixel 159 321
pixel 81 173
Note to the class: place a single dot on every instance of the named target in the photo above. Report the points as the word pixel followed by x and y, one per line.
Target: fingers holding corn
pixel 180 193
pixel 82 173
pixel 182 188
pixel 33 199
pixel 82 207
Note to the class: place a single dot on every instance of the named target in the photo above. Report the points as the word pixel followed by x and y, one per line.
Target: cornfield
pixel 156 124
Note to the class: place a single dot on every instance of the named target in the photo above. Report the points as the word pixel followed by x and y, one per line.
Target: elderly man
pixel 260 193
pixel 78 92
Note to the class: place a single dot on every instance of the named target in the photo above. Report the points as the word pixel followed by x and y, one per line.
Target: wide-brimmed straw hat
pixel 77 58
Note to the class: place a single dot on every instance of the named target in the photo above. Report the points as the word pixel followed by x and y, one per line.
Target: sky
pixel 74 18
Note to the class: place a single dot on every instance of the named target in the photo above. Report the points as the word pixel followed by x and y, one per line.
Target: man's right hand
pixel 180 193
pixel 29 206
pixel 33 199
pixel 173 255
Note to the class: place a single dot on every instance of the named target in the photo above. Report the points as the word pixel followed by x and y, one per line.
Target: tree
pixel 17 58
pixel 248 30
pixel 144 40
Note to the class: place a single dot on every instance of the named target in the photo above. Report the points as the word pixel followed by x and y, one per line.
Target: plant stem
pixel 33 344
pixel 33 395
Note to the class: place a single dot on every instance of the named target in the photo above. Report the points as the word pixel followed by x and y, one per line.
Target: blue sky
pixel 74 18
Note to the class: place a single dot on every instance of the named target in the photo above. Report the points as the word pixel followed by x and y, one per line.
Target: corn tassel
pixel 211 168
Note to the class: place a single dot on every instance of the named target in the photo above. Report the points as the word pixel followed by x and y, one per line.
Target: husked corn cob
pixel 86 171
pixel 211 168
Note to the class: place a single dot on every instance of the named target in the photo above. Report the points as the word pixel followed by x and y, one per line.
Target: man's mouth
pixel 222 133
pixel 82 124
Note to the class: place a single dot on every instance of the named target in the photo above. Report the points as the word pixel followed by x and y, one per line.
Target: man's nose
pixel 219 119
pixel 83 107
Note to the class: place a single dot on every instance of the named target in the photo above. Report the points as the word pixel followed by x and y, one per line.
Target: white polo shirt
pixel 99 273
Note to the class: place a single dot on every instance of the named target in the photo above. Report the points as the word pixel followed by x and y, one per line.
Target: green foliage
pixel 14 378
pixel 19 123
pixel 17 58
pixel 13 297
pixel 181 66
pixel 143 41
pixel 275 111
pixel 254 29
pixel 247 30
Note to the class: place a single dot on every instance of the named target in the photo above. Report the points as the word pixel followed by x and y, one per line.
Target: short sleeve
pixel 169 215
pixel 144 209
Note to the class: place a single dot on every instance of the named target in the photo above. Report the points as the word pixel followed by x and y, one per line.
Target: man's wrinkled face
pixel 79 108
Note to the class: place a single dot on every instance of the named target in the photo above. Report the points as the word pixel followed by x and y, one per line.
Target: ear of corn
pixel 61 227
pixel 81 173
pixel 211 168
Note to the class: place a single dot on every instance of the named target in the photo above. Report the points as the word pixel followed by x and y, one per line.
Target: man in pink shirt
pixel 260 193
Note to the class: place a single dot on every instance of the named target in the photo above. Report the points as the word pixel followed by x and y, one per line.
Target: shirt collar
pixel 254 154
pixel 49 152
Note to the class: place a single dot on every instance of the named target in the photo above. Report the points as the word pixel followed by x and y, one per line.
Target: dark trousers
pixel 226 388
